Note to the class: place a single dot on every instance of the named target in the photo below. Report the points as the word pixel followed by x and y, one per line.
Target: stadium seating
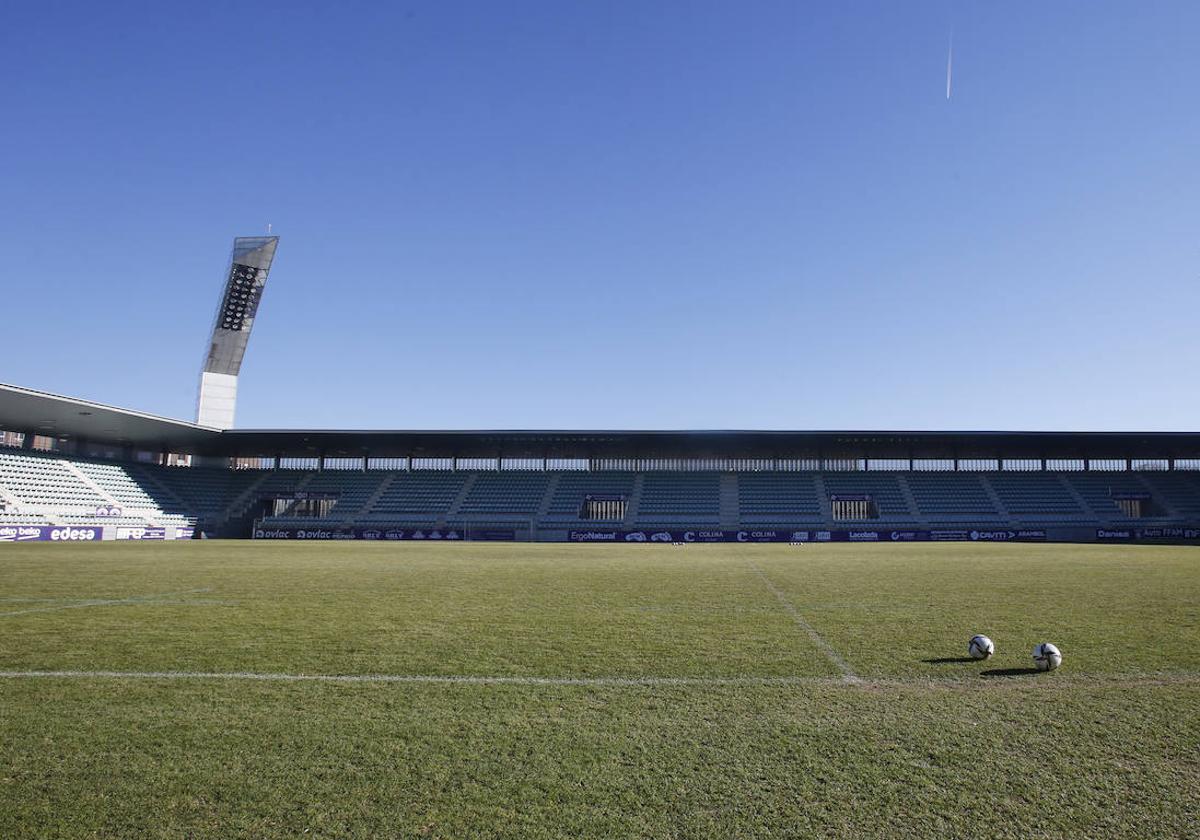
pixel 1177 493
pixel 200 494
pixel 419 497
pixel 40 488
pixel 116 484
pixel 883 488
pixel 46 482
pixel 778 499
pixel 119 484
pixel 1035 497
pixel 353 490
pixel 1096 490
pixel 91 520
pixel 691 499
pixel 948 498
pixel 500 496
pixel 70 491
pixel 573 487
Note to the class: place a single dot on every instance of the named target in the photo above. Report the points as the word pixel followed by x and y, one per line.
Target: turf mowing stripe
pixel 133 599
pixel 819 640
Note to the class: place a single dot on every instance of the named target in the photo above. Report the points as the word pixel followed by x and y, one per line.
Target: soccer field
pixel 227 689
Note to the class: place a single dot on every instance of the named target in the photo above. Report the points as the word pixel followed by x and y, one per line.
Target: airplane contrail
pixel 950 65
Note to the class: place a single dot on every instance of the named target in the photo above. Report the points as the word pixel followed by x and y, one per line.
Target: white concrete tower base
pixel 218 400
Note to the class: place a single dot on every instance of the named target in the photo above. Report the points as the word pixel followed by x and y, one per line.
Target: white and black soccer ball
pixel 981 647
pixel 1046 657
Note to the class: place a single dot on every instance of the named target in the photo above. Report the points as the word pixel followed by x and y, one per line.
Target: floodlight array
pixel 242 294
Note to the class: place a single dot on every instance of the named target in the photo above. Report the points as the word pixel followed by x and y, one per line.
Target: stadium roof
pixel 29 411
pixel 25 410
pixel 724 443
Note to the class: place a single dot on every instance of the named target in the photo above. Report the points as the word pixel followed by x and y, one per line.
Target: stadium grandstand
pixel 79 470
pixel 91 471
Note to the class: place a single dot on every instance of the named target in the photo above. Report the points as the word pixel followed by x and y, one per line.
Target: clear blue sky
pixel 612 214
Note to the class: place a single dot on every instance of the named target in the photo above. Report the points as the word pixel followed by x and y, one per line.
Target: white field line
pixel 105 602
pixel 1032 678
pixel 832 655
pixel 433 679
pixel 15 599
pixel 191 602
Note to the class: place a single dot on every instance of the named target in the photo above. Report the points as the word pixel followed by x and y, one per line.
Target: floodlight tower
pixel 244 283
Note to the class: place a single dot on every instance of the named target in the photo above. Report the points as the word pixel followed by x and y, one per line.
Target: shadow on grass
pixel 1009 672
pixel 948 660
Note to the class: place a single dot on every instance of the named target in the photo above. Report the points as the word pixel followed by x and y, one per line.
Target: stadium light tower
pixel 244 284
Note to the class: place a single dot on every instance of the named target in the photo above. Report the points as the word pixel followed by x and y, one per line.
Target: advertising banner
pixel 591 536
pixel 1004 535
pixel 949 536
pixel 652 536
pixel 705 536
pixel 664 536
pixel 299 495
pixel 762 536
pixel 427 534
pixel 787 535
pixel 634 537
pixel 493 534
pixel 1168 533
pixel 909 536
pixel 48 533
pixel 862 536
pixel 303 534
pixel 142 533
pixel 696 535
pixel 993 535
pixel 392 534
pixel 384 534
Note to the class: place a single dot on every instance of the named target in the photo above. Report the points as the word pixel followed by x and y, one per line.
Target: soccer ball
pixel 1046 657
pixel 981 647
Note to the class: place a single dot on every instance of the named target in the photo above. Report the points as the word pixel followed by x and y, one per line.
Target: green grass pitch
pixel 224 689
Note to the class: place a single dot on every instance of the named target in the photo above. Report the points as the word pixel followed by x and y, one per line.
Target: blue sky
pixel 612 214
